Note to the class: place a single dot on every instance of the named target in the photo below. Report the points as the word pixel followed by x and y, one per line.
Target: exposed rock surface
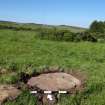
pixel 54 81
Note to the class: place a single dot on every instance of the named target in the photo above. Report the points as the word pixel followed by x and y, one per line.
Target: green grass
pixel 72 28
pixel 35 26
pixel 19 49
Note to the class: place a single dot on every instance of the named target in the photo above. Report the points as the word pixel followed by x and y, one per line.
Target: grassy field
pixel 19 49
pixel 34 26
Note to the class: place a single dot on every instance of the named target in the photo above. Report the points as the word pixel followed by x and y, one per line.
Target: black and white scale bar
pixel 49 92
pixel 33 92
pixel 62 92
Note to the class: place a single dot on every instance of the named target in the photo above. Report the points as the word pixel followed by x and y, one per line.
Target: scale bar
pixel 49 92
pixel 33 92
pixel 62 92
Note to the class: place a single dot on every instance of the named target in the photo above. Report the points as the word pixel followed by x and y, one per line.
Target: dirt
pixel 46 101
pixel 54 81
pixel 3 71
pixel 8 92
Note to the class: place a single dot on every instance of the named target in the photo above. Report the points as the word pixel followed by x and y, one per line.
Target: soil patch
pixel 55 80
pixel 8 92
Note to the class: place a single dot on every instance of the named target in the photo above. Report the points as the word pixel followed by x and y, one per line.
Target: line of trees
pixel 18 28
pixel 96 32
pixel 66 35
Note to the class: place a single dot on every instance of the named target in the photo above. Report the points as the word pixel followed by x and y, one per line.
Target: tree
pixel 97 26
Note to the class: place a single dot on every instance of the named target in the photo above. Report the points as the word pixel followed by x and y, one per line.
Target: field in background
pixel 35 27
pixel 20 49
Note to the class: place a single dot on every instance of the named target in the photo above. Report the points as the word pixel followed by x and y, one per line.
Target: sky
pixel 53 12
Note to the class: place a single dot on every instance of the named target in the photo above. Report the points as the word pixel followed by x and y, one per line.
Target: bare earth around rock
pixel 8 92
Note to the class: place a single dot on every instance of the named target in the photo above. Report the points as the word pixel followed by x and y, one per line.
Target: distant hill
pixel 72 28
pixel 34 26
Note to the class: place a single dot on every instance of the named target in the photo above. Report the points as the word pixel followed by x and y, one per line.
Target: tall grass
pixel 19 49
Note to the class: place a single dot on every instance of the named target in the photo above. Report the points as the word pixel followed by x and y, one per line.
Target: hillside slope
pixel 34 26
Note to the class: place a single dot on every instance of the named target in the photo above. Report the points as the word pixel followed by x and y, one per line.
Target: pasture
pixel 24 51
